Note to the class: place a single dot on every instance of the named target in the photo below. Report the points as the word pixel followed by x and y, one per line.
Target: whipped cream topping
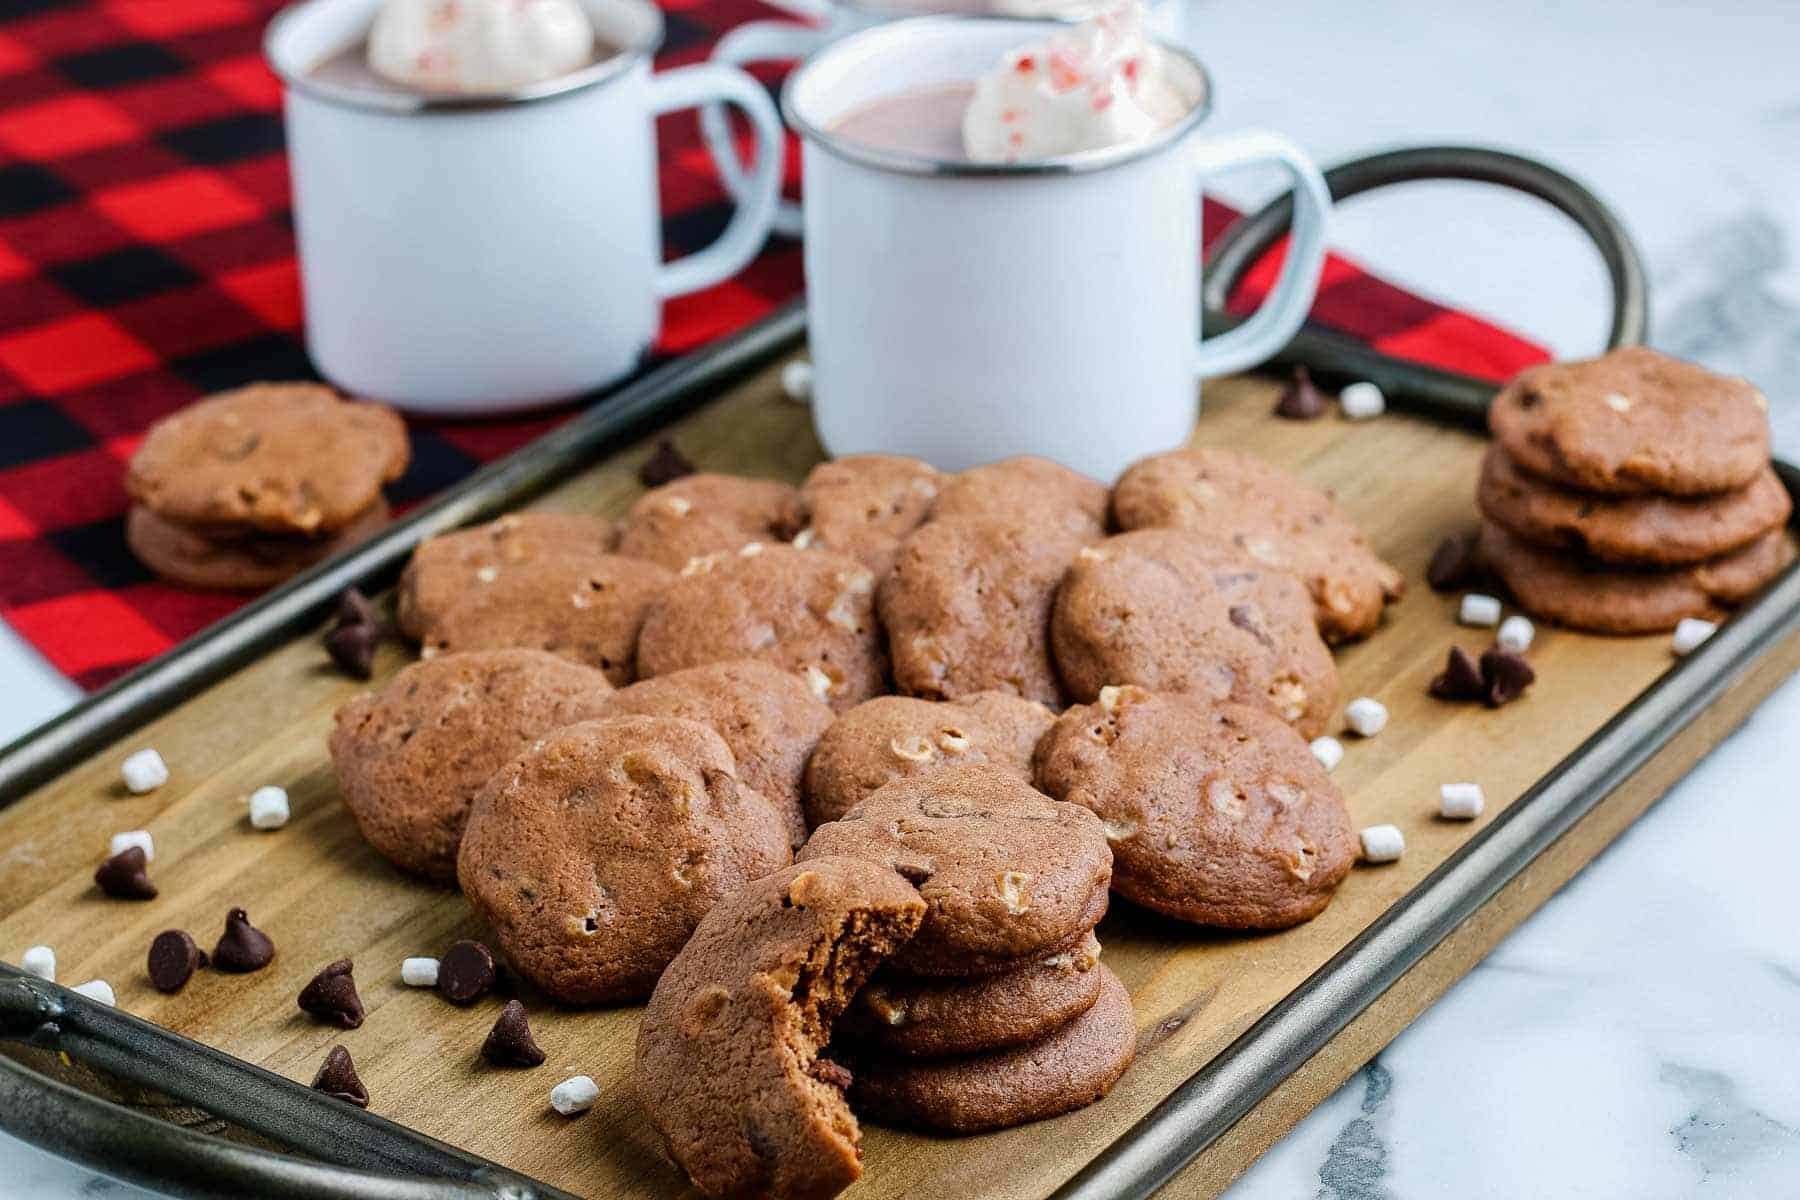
pixel 478 45
pixel 1098 84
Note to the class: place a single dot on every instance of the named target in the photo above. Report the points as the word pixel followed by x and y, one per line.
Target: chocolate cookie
pixel 594 854
pixel 280 457
pixel 967 609
pixel 1175 612
pixel 1217 813
pixel 1647 530
pixel 768 718
pixel 1634 421
pixel 706 514
pixel 410 758
pixel 447 568
pixel 937 1018
pixel 727 1065
pixel 1070 1069
pixel 1033 492
pixel 587 608
pixel 1009 875
pixel 1264 512
pixel 806 611
pixel 210 557
pixel 863 505
pixel 899 737
pixel 1618 600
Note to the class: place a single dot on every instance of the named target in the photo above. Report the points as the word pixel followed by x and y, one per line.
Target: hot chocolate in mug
pixel 963 311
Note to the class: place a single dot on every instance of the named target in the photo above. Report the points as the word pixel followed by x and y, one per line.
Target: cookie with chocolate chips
pixel 898 737
pixel 281 458
pixel 1174 611
pixel 864 504
pixel 806 611
pixel 235 559
pixel 446 569
pixel 1009 876
pixel 1032 492
pixel 410 758
pixel 1634 421
pixel 1258 510
pixel 705 514
pixel 594 854
pixel 728 1065
pixel 1216 813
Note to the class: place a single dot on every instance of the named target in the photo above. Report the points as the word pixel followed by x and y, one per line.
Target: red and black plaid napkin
pixel 146 259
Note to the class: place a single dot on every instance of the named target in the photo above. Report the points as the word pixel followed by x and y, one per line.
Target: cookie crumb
pixel 268 807
pixel 1479 610
pixel 97 989
pixel 1460 801
pixel 574 1096
pixel 419 972
pixel 1366 716
pixel 1516 634
pixel 797 381
pixel 1360 401
pixel 1328 750
pixel 39 961
pixel 1690 632
pixel 1382 843
pixel 144 771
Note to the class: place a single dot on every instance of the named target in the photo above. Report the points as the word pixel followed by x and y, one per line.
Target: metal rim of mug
pixel 408 103
pixel 899 163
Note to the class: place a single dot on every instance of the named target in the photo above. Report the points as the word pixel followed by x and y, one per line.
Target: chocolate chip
pixel 664 465
pixel 827 1071
pixel 124 876
pixel 352 648
pixel 331 996
pixel 1453 563
pixel 354 608
pixel 173 960
pixel 465 972
pixel 337 1077
pixel 509 1043
pixel 1461 679
pixel 242 947
pixel 1244 616
pixel 1507 675
pixel 1300 401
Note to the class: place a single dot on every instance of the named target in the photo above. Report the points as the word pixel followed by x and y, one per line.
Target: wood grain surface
pixel 321 894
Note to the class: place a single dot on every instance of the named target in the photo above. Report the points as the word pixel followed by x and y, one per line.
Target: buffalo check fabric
pixel 147 258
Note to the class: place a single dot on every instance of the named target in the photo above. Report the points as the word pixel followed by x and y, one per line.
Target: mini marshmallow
pixel 39 961
pixel 796 380
pixel 574 1096
pixel 1329 751
pixel 1478 609
pixel 96 989
pixel 419 972
pixel 1689 634
pixel 269 807
pixel 145 771
pixel 1360 401
pixel 1366 716
pixel 1382 843
pixel 1516 634
pixel 1460 801
pixel 140 838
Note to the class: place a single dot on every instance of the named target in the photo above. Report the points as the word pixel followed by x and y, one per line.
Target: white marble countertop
pixel 1637 1037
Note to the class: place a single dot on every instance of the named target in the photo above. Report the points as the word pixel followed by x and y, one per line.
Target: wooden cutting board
pixel 322 895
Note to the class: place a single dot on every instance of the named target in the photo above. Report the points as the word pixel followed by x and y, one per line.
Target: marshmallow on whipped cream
pixel 1098 84
pixel 478 45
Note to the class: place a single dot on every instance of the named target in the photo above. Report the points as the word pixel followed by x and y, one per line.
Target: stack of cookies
pixel 1628 492
pixel 248 487
pixel 997 1011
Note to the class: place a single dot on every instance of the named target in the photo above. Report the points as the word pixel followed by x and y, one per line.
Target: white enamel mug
pixel 823 22
pixel 961 312
pixel 466 255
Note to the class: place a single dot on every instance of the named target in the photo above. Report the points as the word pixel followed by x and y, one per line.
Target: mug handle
pixel 759 41
pixel 706 83
pixel 1284 310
